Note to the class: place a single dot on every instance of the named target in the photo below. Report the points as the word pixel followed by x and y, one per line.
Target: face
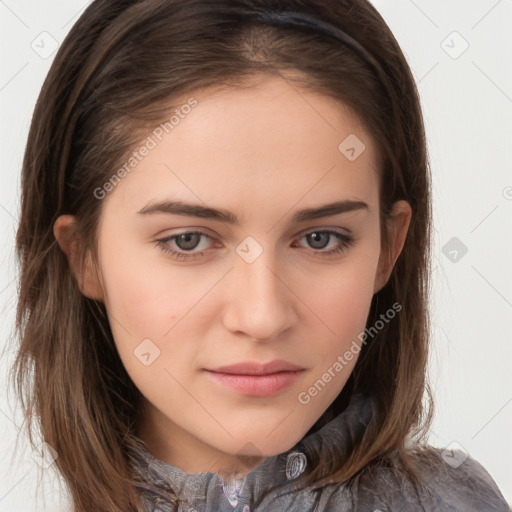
pixel 228 312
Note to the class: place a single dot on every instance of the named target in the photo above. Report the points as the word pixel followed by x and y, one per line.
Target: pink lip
pixel 256 379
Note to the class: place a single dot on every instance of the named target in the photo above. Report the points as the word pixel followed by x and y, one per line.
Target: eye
pixel 320 239
pixel 183 245
pixel 184 242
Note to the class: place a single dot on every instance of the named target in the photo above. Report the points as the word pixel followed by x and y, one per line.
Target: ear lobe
pixel 398 226
pixel 85 272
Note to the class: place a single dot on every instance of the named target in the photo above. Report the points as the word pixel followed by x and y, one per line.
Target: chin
pixel 256 444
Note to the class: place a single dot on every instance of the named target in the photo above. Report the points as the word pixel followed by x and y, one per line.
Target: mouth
pixel 256 379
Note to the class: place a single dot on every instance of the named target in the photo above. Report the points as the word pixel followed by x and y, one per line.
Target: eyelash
pixel 346 241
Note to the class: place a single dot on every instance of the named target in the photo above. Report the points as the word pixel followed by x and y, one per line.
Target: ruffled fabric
pixel 276 484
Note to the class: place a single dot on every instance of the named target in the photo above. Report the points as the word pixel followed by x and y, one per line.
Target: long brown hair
pixel 113 78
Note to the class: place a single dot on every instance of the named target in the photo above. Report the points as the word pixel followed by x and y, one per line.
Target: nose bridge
pixel 261 304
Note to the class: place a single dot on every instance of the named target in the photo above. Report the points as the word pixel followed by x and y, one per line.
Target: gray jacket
pixel 454 482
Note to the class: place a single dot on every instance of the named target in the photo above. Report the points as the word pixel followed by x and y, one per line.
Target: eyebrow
pixel 204 212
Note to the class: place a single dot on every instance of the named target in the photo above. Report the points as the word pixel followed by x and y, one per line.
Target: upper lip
pixel 256 368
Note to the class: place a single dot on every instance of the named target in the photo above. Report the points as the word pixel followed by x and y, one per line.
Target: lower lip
pixel 256 385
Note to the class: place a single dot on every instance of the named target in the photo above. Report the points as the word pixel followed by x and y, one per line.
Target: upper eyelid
pixel 202 231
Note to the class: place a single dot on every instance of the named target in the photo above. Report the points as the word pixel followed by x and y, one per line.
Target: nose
pixel 260 302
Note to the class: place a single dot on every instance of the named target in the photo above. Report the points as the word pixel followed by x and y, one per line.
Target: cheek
pixel 342 297
pixel 345 312
pixel 342 294
pixel 145 300
pixel 347 302
pixel 146 295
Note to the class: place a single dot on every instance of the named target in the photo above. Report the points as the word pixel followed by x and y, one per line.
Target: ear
pixel 397 225
pixel 64 230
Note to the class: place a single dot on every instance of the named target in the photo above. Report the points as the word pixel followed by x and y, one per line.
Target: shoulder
pixel 447 482
pixel 459 482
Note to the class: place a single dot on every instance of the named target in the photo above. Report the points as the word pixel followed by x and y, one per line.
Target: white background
pixel 467 102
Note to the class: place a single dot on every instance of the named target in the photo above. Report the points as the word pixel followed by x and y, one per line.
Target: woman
pixel 224 241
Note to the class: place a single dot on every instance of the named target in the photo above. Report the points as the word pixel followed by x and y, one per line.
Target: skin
pixel 262 152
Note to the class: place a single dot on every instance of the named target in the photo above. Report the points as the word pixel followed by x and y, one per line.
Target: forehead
pixel 268 143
